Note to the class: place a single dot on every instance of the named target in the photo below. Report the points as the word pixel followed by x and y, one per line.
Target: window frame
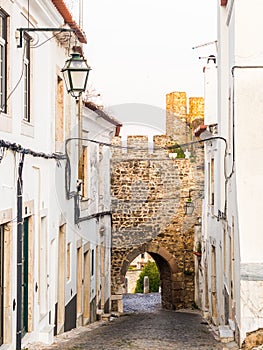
pixel 212 181
pixel 26 80
pixel 3 58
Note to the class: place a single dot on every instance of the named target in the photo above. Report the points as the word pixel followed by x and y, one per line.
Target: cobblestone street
pixel 143 326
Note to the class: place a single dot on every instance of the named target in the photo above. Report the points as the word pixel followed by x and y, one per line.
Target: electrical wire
pixel 23 56
pixel 74 194
pixel 18 82
pixel 71 194
pixel 141 148
pixel 2 153
pixel 19 149
pixel 186 144
pixel 45 41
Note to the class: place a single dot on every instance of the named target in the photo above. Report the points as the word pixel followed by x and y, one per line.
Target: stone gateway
pixel 149 189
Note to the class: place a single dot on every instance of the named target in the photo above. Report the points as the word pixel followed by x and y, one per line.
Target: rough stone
pixel 149 191
pixel 254 340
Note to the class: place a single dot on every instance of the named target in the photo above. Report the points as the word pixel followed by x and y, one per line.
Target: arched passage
pixel 174 282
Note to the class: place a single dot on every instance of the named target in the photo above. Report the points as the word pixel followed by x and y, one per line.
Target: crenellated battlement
pixel 140 146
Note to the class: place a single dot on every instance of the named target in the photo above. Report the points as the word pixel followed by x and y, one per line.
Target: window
pixel 211 182
pixel 92 262
pixel 26 79
pixel 3 63
pixel 83 172
pixel 42 269
pixel 68 261
pixel 59 132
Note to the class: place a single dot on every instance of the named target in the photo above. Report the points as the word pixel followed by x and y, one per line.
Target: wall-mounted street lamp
pixel 189 205
pixel 76 69
pixel 76 72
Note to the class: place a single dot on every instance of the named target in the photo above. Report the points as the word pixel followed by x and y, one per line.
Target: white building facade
pixel 232 260
pixel 54 238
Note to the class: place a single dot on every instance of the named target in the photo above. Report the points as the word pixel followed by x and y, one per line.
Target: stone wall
pixel 132 277
pixel 149 191
pixel 179 123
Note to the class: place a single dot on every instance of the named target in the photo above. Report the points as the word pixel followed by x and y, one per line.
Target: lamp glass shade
pixel 189 208
pixel 76 72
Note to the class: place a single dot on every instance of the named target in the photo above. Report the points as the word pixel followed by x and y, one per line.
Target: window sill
pixel 5 123
pixel 84 204
pixel 27 129
pixel 59 146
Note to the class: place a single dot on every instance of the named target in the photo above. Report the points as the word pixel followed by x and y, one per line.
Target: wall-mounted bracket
pixel 23 30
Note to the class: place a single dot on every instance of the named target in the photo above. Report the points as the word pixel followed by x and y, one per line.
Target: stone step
pixel 99 314
pixel 105 317
pixel 226 334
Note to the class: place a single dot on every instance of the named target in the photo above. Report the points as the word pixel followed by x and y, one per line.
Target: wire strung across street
pixel 20 149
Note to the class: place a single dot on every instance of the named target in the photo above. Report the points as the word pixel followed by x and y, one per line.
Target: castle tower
pixel 178 121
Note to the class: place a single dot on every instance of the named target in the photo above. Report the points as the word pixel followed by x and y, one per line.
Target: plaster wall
pixel 44 189
pixel 235 236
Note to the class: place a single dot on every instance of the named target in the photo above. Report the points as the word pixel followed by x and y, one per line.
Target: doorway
pixel 213 286
pixel 61 279
pixel 1 284
pixel 24 310
pixel 86 308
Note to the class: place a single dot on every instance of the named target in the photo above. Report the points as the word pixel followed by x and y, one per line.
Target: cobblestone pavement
pixel 151 328
pixel 142 302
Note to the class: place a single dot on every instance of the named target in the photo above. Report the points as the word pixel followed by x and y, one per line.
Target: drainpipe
pixel 19 253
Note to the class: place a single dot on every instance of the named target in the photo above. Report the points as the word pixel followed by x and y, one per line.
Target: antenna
pixel 206 44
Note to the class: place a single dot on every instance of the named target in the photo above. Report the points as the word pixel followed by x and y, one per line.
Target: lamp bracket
pixel 23 30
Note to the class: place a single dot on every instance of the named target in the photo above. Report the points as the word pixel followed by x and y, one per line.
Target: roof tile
pixel 65 13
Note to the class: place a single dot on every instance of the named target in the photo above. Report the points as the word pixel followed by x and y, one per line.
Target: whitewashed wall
pixel 237 236
pixel 44 180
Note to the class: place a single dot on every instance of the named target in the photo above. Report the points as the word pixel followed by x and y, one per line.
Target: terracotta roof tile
pixel 198 131
pixel 65 13
pixel 101 113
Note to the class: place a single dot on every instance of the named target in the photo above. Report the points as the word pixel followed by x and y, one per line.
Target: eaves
pixel 65 13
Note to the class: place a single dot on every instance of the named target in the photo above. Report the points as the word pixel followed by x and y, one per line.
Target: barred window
pixel 26 77
pixel 3 63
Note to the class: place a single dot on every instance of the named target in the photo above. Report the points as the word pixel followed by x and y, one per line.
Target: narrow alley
pixel 144 325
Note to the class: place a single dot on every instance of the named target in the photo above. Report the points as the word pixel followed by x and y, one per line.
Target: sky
pixel 140 50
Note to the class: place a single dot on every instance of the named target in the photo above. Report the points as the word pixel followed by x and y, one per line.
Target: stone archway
pixel 173 282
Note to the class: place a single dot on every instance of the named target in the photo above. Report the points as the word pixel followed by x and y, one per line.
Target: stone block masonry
pixel 149 190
